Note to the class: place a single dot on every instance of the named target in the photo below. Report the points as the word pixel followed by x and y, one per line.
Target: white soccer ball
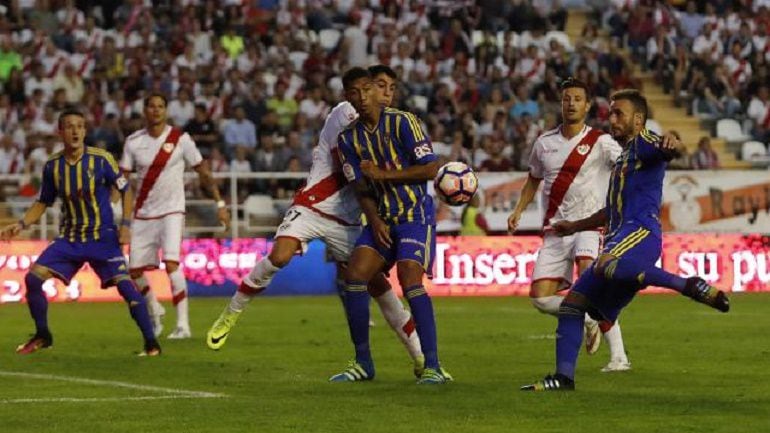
pixel 455 183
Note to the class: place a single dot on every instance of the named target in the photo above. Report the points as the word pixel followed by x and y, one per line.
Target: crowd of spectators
pixel 252 81
pixel 712 57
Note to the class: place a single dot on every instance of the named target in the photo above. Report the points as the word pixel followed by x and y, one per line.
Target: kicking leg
pixel 254 283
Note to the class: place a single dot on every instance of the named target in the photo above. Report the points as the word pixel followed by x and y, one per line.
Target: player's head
pixel 384 79
pixel 357 83
pixel 628 114
pixel 575 100
pixel 155 108
pixel 72 128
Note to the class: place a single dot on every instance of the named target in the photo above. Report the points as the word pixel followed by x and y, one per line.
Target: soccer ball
pixel 455 183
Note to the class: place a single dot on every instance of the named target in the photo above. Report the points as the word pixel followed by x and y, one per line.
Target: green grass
pixel 694 370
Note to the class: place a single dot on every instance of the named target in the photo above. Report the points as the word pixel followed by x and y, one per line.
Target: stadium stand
pixel 480 73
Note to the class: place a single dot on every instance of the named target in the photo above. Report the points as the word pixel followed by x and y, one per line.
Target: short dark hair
pixel 635 97
pixel 156 95
pixel 574 83
pixel 352 75
pixel 69 112
pixel 378 69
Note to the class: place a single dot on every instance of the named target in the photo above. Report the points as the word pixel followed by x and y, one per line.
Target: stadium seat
pixel 477 37
pixel 753 150
pixel 259 209
pixel 730 130
pixel 329 38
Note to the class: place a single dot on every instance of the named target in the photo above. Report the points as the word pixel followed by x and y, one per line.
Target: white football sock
pixel 614 340
pixel 261 274
pixel 548 304
pixel 398 318
pixel 239 301
pixel 153 305
pixel 179 298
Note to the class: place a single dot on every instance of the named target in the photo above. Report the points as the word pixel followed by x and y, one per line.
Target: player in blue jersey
pixel 388 157
pixel 632 244
pixel 82 178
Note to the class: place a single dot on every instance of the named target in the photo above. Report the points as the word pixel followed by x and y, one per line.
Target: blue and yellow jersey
pixel 398 142
pixel 84 189
pixel 636 184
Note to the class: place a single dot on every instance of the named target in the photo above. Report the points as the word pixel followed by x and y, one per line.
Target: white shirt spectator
pixel 356 40
pixel 758 111
pixel 180 112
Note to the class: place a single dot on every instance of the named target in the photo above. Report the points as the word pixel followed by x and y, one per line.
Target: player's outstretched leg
pixel 627 271
pixel 38 309
pixel 253 284
pixel 138 309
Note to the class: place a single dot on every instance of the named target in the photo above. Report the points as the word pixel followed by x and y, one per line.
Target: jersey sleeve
pixel 415 141
pixel 47 187
pixel 113 174
pixel 127 159
pixel 340 118
pixel 536 169
pixel 610 148
pixel 192 156
pixel 351 163
pixel 648 150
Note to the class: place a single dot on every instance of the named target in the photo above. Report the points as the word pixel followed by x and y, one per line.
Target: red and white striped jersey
pixel 327 192
pixel 575 172
pixel 166 194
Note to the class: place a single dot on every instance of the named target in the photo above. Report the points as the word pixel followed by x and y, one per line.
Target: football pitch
pixel 694 370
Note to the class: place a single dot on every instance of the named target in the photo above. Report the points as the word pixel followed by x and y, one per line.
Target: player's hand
pixel 669 142
pixel 370 170
pixel 513 222
pixel 381 233
pixel 223 215
pixel 10 231
pixel 564 228
pixel 124 235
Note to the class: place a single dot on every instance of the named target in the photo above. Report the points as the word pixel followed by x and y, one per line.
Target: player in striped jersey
pixel 632 244
pixel 82 178
pixel 324 208
pixel 388 158
pixel 573 163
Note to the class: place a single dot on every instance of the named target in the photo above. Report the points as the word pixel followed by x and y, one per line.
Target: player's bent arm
pixel 30 217
pixel 415 173
pixel 366 200
pixel 596 220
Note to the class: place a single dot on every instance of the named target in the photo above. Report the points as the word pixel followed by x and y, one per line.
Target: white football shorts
pixel 305 225
pixel 150 236
pixel 557 257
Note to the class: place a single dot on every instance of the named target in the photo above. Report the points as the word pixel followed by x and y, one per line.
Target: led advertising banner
pixel 470 266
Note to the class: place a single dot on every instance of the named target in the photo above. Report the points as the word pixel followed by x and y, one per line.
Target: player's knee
pixel 171 267
pixel 574 304
pixel 543 304
pixel 280 257
pixel 542 288
pixel 34 282
pixel 38 272
pixel 409 273
pixel 378 286
pixel 136 273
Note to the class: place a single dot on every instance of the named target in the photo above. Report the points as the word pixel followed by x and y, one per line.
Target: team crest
pixel 90 174
pixel 583 149
pixel 168 147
